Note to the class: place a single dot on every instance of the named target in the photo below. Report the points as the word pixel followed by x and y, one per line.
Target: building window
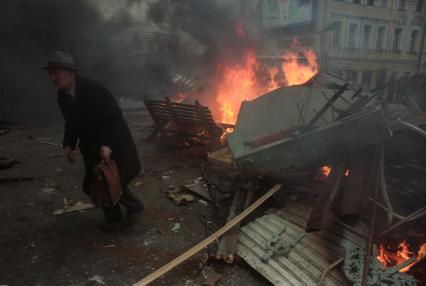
pixel 371 2
pixel 413 40
pixel 402 4
pixel 356 1
pixel 384 3
pixel 366 37
pixel 380 38
pixel 337 34
pixel 419 6
pixel 353 31
pixel 396 44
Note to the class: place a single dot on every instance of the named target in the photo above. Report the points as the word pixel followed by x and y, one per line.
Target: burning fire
pixel 325 171
pixel 250 79
pixel 391 258
pixel 179 97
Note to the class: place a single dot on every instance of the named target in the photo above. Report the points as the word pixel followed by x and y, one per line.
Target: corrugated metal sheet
pixel 308 259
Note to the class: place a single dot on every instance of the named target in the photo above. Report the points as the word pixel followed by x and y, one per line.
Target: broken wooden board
pixel 326 197
pixel 222 159
pixel 180 198
pixel 79 206
pixel 359 184
pixel 200 189
pixel 306 149
pixel 226 249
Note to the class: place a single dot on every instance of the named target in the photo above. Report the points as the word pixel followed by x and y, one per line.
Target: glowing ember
pixel 250 79
pixel 325 171
pixel 179 97
pixel 391 258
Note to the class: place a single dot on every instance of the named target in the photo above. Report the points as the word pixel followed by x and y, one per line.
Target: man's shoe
pixel 132 212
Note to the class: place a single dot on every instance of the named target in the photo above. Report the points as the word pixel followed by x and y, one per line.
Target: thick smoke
pixel 211 22
pixel 100 35
pixel 97 33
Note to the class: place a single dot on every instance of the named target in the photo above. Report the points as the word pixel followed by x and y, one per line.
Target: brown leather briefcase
pixel 105 187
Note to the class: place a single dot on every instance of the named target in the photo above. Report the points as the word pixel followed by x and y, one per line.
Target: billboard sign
pixel 277 14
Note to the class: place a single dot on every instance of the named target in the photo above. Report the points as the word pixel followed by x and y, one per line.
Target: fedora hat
pixel 60 59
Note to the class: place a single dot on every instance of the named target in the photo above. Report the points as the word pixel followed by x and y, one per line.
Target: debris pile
pixel 297 131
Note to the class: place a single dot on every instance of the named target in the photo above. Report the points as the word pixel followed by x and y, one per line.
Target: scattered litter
pixel 34 259
pixel 97 279
pixel 109 246
pixel 201 189
pixel 211 277
pixel 147 242
pixel 49 143
pixel 165 177
pixel 68 207
pixel 176 227
pixel 204 203
pixel 137 184
pixel 180 198
pixel 48 190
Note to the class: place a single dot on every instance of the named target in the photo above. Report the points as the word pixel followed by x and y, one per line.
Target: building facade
pixel 369 42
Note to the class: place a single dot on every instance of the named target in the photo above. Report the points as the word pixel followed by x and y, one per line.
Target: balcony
pixel 364 54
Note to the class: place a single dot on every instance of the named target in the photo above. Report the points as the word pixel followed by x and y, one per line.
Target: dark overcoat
pixel 93 118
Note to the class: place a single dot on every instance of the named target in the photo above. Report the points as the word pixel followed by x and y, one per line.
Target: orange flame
pixel 325 172
pixel 241 81
pixel 391 258
pixel 179 97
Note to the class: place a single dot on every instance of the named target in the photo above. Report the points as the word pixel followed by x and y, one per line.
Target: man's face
pixel 62 79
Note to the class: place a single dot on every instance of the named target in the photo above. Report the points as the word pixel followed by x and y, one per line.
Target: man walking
pixel 94 120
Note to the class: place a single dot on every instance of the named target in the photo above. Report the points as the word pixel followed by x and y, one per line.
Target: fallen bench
pixel 190 123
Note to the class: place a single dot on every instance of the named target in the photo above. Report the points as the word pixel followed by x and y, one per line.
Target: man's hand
pixel 105 153
pixel 69 154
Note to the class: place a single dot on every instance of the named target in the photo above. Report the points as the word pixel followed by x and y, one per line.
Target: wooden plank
pixel 228 242
pixel 203 244
pixel 327 233
pixel 326 197
pixel 359 184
